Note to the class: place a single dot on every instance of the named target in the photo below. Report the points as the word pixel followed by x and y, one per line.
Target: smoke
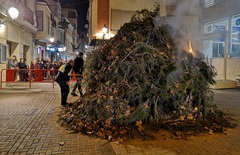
pixel 186 20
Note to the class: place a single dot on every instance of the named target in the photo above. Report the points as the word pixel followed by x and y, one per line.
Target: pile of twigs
pixel 138 78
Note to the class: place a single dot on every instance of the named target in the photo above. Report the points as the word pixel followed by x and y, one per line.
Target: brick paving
pixel 28 125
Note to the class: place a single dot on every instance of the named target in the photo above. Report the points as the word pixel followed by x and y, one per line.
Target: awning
pixel 37 42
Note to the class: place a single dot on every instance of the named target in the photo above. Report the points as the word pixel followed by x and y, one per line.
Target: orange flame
pixel 190 47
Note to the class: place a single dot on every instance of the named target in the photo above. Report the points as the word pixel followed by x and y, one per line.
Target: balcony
pixel 25 12
pixel 63 24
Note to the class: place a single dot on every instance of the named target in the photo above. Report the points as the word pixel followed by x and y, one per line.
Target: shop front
pixel 56 52
pixel 222 46
pixel 228 28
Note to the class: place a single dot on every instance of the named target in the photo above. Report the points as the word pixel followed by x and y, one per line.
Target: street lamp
pixel 13 13
pixel 51 39
pixel 104 30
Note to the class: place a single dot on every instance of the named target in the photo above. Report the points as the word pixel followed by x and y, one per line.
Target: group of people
pixel 19 68
pixel 49 67
pixel 22 68
pixel 60 69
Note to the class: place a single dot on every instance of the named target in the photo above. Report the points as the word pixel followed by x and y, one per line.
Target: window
pixel 52 32
pixel 48 25
pixel 61 36
pixel 39 15
pixel 120 17
pixel 217 49
pixel 235 50
pixel 3 53
pixel 214 48
pixel 72 14
pixel 209 3
pixel 54 23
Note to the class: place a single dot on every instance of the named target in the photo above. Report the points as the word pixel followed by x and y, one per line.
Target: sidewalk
pixel 29 126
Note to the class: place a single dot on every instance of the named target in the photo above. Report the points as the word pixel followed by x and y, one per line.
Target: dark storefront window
pixel 235 50
pixel 218 49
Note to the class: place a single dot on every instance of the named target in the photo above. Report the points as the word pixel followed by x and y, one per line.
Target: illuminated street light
pixel 51 40
pixel 13 13
pixel 104 30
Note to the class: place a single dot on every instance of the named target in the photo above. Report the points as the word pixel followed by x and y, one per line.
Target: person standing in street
pixel 13 64
pixel 22 72
pixel 78 69
pixel 62 78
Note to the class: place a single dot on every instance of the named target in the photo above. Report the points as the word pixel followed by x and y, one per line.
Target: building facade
pixel 72 37
pixel 40 31
pixel 183 15
pixel 46 25
pixel 56 31
pixel 221 36
pixel 112 14
pixel 16 37
pixel 212 26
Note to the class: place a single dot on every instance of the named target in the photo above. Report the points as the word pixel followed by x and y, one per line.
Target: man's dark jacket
pixel 78 65
pixel 64 76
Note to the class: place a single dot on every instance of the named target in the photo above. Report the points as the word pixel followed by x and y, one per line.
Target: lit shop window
pixel 214 48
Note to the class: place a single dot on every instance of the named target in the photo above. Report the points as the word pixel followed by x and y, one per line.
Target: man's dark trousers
pixel 78 85
pixel 64 92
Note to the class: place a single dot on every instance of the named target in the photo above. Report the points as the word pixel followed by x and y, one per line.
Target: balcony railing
pixel 209 3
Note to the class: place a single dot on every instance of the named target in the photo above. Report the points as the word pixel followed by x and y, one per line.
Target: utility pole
pixel 228 47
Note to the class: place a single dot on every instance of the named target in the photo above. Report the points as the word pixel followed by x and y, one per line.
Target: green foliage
pixel 141 76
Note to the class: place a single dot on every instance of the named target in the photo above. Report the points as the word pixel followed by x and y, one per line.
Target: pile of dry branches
pixel 139 78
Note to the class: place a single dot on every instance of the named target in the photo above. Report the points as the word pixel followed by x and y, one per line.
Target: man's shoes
pixel 65 104
pixel 70 104
pixel 74 94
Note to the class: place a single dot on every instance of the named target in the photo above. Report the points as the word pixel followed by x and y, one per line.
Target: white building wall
pixel 233 68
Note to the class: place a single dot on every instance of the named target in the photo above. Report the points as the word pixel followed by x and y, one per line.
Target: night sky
pixel 82 8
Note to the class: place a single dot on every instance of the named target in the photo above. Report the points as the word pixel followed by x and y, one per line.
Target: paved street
pixel 28 125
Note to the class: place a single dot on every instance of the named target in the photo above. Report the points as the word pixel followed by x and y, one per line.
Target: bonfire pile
pixel 141 78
